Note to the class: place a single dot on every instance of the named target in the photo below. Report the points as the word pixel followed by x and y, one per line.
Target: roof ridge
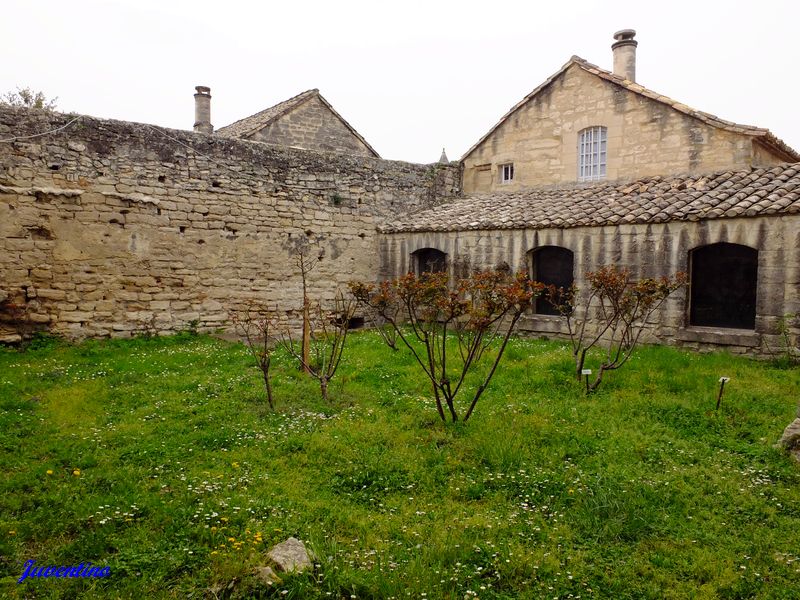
pixel 283 106
pixel 249 125
pixel 762 134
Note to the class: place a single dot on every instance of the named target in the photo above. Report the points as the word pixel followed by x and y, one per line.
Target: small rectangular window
pixel 507 173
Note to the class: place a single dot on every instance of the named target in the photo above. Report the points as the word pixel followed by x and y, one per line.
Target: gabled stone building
pixel 305 121
pixel 585 124
pixel 592 169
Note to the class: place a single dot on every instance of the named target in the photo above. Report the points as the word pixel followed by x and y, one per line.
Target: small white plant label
pixel 724 379
pixel 586 371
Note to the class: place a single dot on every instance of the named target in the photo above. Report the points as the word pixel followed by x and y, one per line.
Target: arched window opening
pixel 429 260
pixel 592 153
pixel 551 265
pixel 723 286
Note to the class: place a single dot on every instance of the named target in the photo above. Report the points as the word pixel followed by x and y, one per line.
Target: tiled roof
pixel 253 123
pixel 243 128
pixel 750 193
pixel 763 135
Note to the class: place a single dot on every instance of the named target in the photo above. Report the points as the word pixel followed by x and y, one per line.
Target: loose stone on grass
pixel 290 556
pixel 790 440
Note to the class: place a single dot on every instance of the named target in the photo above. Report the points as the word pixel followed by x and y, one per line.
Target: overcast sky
pixel 410 76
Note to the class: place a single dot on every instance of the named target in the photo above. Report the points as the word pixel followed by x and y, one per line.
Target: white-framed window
pixel 507 173
pixel 592 153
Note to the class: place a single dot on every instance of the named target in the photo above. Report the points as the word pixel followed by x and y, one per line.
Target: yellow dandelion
pixel 224 519
pixel 213 552
pixel 49 471
pixel 235 465
pixel 12 532
pixel 76 472
pixel 213 529
pixel 231 539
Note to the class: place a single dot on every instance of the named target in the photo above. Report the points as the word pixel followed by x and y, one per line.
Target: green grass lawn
pixel 159 459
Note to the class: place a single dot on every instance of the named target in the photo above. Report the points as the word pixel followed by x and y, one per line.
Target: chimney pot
pixel 202 110
pixel 624 49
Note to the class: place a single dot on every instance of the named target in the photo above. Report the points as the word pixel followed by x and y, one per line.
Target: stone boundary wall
pixel 648 251
pixel 110 228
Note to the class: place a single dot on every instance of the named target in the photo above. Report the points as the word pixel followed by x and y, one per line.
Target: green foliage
pixel 28 98
pixel 634 492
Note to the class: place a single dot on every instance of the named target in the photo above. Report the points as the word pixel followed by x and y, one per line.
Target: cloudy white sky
pixel 410 76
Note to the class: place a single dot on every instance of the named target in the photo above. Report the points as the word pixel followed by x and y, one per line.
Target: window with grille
pixel 592 154
pixel 507 173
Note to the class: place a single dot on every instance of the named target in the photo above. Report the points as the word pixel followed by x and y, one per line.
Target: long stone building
pixel 592 169
pixel 110 228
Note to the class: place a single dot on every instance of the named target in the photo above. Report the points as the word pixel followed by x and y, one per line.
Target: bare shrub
pixel 257 325
pixel 327 331
pixel 481 308
pixel 612 315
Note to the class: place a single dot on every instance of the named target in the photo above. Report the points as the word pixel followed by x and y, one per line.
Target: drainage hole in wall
pixel 182 228
pixel 201 241
pixel 162 178
pixel 216 184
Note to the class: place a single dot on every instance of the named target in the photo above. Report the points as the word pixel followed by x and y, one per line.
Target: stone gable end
pixel 313 126
pixel 645 137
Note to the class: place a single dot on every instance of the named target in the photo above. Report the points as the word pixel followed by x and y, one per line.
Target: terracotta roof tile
pixel 753 192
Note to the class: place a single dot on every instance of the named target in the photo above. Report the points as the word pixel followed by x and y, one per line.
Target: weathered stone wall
pixel 645 138
pixel 313 126
pixel 648 251
pixel 110 228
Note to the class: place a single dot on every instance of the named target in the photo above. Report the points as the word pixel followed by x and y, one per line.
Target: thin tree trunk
pixel 323 386
pixel 439 406
pixel 268 385
pixel 306 344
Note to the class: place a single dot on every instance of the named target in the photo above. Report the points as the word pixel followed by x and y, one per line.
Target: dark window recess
pixel 352 323
pixel 429 260
pixel 355 323
pixel 551 265
pixel 723 287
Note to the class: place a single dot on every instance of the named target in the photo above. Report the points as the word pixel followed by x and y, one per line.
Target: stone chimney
pixel 202 110
pixel 625 54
